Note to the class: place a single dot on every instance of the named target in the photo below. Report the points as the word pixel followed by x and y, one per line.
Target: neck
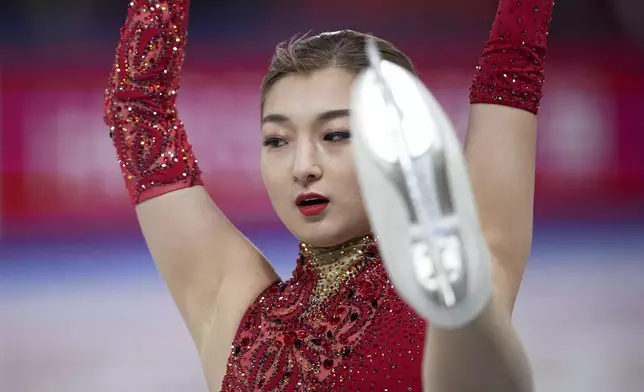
pixel 331 268
pixel 351 249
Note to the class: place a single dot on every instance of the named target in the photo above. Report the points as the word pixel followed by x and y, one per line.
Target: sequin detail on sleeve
pixel 140 100
pixel 510 70
pixel 336 326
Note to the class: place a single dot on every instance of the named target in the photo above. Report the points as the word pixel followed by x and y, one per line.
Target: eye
pixel 273 142
pixel 337 136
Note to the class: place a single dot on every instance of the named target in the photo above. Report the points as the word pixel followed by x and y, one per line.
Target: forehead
pixel 303 96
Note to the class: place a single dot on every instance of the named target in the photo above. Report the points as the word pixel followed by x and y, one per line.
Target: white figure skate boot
pixel 417 194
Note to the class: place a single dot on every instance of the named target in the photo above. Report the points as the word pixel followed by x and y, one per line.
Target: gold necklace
pixel 335 265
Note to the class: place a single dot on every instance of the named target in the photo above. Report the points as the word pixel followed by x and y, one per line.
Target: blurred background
pixel 82 307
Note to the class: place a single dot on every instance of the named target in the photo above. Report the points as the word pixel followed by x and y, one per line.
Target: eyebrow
pixel 320 118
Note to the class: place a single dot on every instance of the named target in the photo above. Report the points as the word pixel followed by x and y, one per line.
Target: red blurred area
pixel 58 162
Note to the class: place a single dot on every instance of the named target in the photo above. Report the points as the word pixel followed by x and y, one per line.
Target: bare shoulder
pixel 238 295
pixel 209 266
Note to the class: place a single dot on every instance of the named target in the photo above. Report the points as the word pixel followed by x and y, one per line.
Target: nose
pixel 306 168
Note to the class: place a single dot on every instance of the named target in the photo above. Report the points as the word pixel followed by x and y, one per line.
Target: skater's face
pixel 306 149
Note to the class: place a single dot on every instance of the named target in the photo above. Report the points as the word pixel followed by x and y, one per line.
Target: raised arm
pixel 487 355
pixel 501 137
pixel 212 270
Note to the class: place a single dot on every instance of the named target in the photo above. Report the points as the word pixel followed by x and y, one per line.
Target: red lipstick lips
pixel 311 204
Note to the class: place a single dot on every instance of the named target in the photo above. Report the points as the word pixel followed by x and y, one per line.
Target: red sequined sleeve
pixel 140 100
pixel 510 70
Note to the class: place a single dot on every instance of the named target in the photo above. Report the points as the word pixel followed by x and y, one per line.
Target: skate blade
pixel 438 262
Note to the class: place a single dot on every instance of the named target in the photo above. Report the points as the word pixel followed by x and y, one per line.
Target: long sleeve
pixel 140 100
pixel 510 70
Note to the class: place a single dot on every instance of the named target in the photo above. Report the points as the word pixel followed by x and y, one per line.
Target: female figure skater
pixel 339 324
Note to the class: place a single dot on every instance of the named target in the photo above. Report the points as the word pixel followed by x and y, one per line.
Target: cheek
pixel 345 178
pixel 351 186
pixel 274 178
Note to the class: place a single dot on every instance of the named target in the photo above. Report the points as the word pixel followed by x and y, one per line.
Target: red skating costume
pixel 337 324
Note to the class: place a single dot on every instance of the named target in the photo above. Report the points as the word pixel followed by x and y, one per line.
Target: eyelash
pixel 276 142
pixel 272 142
pixel 345 135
